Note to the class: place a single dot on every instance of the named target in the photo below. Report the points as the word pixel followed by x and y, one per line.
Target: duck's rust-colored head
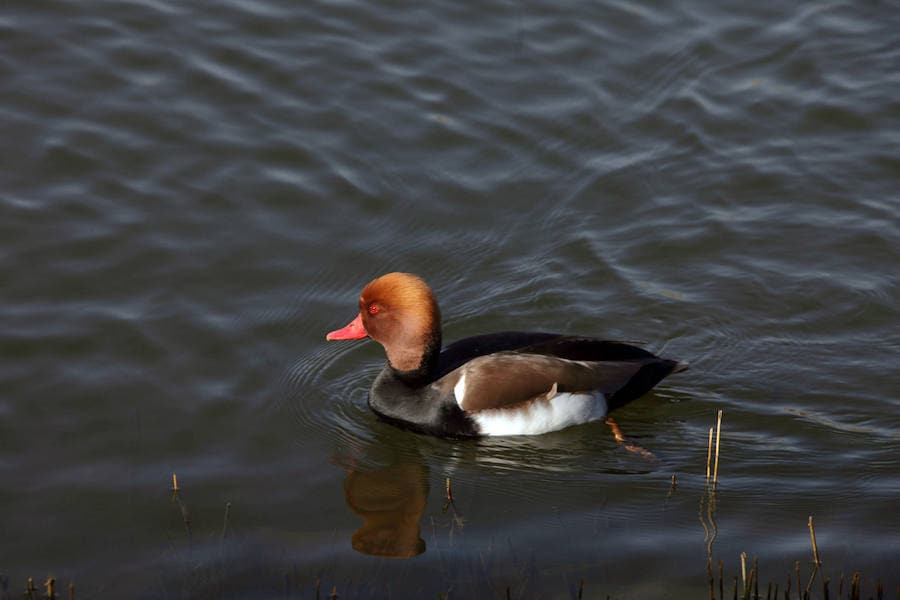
pixel 399 311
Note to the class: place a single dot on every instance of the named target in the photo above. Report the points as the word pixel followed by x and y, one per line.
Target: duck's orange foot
pixel 630 446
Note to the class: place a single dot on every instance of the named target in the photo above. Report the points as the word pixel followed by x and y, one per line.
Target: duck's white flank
pixel 541 416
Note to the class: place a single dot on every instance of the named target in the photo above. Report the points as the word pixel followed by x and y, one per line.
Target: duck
pixel 497 384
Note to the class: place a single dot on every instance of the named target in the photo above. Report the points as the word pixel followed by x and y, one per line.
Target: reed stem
pixel 754 576
pixel 721 580
pixel 718 437
pixel 744 572
pixel 185 514
pixel 815 547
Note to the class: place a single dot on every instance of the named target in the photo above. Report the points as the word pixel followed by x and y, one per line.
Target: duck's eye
pixel 373 309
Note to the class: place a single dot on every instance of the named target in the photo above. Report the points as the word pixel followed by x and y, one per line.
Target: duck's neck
pixel 406 398
pixel 417 368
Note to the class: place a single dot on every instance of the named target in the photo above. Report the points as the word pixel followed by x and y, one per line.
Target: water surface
pixel 191 197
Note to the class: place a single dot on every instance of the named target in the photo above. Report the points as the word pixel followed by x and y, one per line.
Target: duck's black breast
pixel 429 409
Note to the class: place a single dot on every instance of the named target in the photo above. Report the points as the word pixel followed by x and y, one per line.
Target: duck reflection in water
pixel 390 501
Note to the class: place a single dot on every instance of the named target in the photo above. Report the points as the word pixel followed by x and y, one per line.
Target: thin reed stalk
pixel 185 514
pixel 756 577
pixel 744 573
pixel 721 580
pixel 817 562
pixel 815 547
pixel 718 438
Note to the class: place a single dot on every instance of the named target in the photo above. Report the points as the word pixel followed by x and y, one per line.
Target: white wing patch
pixel 533 418
pixel 459 390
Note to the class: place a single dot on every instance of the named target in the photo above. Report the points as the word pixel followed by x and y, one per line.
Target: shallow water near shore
pixel 190 199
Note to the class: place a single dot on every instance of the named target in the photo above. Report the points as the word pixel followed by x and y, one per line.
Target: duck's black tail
pixel 652 372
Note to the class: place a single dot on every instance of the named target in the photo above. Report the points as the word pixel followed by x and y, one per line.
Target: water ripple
pixel 190 199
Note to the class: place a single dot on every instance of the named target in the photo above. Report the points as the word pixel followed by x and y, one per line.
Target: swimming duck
pixel 507 383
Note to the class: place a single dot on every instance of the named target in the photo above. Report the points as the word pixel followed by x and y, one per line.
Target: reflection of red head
pixel 390 502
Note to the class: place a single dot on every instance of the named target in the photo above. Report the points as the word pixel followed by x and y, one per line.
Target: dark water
pixel 192 194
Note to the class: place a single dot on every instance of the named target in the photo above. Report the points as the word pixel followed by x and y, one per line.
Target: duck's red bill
pixel 353 331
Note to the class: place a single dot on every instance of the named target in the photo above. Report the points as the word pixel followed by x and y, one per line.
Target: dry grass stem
pixel 815 547
pixel 755 576
pixel 185 513
pixel 744 571
pixel 718 437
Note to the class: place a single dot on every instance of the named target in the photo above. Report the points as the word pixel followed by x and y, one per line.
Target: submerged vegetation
pixel 222 576
pixel 747 586
pixel 216 581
